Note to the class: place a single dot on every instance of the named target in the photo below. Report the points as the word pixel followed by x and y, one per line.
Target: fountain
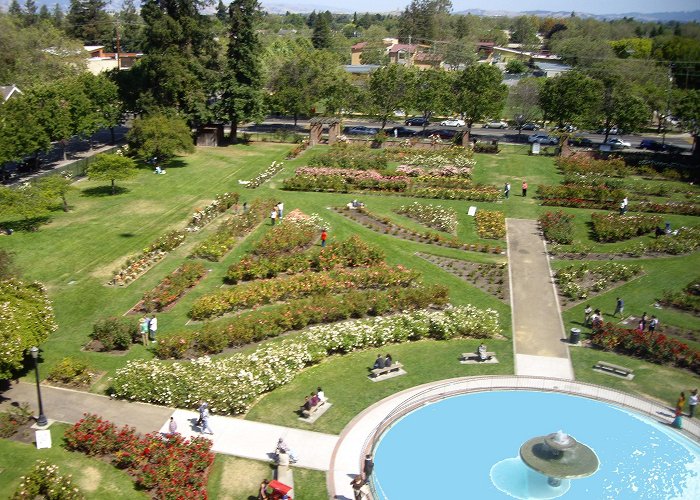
pixel 559 456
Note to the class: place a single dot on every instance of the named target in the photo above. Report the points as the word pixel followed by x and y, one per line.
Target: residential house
pixel 100 61
pixel 356 50
pixel 7 91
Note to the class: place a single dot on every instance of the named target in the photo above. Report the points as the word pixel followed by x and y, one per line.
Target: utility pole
pixel 119 49
pixel 668 102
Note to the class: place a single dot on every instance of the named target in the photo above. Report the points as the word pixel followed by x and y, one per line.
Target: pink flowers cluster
pixel 349 174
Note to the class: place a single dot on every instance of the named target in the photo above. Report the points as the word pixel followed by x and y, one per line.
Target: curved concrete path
pixel 538 331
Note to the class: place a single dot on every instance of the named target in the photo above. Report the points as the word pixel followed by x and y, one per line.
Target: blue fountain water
pixel 461 446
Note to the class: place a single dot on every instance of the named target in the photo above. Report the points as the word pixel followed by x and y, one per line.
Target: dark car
pixel 444 134
pixel 581 142
pixel 530 126
pixel 417 121
pixel 361 130
pixel 652 145
pixel 400 132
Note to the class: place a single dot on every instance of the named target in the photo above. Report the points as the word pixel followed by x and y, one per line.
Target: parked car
pixel 417 121
pixel 581 142
pixel 361 130
pixel 543 138
pixel 452 122
pixel 530 126
pixel 400 132
pixel 613 131
pixel 616 143
pixel 652 145
pixel 565 128
pixel 496 124
pixel 444 134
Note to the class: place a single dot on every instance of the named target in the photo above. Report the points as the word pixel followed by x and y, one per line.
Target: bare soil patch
pixel 490 278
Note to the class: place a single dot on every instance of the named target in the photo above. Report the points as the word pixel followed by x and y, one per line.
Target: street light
pixel 41 421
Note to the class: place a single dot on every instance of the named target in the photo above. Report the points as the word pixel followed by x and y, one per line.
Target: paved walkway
pixel 232 436
pixel 539 337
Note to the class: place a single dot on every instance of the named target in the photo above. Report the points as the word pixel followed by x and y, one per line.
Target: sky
pixel 590 6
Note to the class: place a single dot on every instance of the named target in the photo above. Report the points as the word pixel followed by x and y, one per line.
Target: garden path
pixel 232 436
pixel 539 337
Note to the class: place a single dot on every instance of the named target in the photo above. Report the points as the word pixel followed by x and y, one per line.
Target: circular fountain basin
pixel 467 447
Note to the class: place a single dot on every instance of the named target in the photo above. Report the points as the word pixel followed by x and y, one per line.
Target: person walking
pixel 524 189
pixel 204 418
pixel 506 190
pixel 680 404
pixel 143 328
pixel 619 307
pixel 273 216
pixel 692 403
pixel 587 314
pixel 644 321
pixel 324 237
pixel 653 324
pixel 172 427
pixel 280 211
pixel 153 329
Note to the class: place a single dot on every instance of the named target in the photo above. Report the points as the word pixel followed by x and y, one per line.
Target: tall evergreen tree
pixel 58 16
pixel 131 28
pixel 44 13
pixel 30 13
pixel 322 37
pixel 424 20
pixel 88 21
pixel 15 10
pixel 242 83
pixel 221 11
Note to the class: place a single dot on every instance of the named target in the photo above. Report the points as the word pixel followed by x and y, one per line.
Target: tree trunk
pixel 63 143
pixel 65 202
pixel 296 116
pixel 114 187
pixel 234 130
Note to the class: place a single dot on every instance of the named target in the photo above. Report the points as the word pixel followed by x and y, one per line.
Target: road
pixel 684 141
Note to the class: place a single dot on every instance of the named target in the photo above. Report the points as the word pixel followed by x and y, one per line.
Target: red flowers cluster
pixel 171 468
pixel 650 346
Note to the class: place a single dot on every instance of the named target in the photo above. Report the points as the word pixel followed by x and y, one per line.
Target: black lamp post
pixel 41 421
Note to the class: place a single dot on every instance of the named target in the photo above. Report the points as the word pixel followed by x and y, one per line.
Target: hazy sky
pixel 592 6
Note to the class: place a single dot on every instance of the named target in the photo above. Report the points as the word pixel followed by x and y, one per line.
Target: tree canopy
pixel 112 167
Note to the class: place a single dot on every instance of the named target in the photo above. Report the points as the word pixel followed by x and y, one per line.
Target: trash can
pixel 575 335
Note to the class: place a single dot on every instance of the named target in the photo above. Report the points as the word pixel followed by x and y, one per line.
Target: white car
pixel 542 138
pixel 496 124
pixel 616 143
pixel 452 122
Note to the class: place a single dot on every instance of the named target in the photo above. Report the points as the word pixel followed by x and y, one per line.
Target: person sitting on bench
pixel 379 362
pixel 387 361
pixel 481 353
pixel 321 395
pixel 315 401
pixel 305 409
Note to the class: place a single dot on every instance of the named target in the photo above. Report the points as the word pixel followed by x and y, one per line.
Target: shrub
pixel 71 371
pixel 435 216
pixel 490 224
pixel 557 226
pixel 44 481
pixel 13 418
pixel 174 345
pixel 173 286
pixel 343 155
pixel 614 227
pixel 114 332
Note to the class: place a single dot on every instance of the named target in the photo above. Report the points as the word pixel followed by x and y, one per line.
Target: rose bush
pixel 569 278
pixel 44 481
pixel 490 224
pixel 230 385
pixel 172 287
pixel 343 155
pixel 557 226
pixel 435 216
pixel 613 227
pixel 202 217
pixel 266 174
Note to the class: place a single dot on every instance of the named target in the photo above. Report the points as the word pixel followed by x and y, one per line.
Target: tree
pixel 88 21
pixel 56 186
pixel 112 167
pixel 160 136
pixel 322 37
pixel 26 320
pixel 687 110
pixel 15 10
pixel 242 83
pixel 479 92
pixel 104 100
pixel 26 202
pixel 58 16
pixel 221 12
pixel 523 102
pixel 424 20
pixel 21 132
pixel 515 67
pixel 131 26
pixel 30 13
pixel 388 91
pixel 524 32
pixel 44 14
pixel 570 98
pixel 429 91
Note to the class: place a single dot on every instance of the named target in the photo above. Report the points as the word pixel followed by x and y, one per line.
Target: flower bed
pixel 649 346
pixel 298 149
pixel 476 193
pixel 168 242
pixel 44 481
pixel 246 376
pixel 687 299
pixel 265 175
pixel 387 226
pixel 173 286
pixel 434 216
pixel 292 234
pixel 448 171
pixel 301 285
pixel 254 326
pixel 582 280
pixel 558 227
pixel 614 227
pixel 600 193
pixel 585 165
pixel 455 157
pixel 352 252
pixel 343 155
pixel 670 207
pixel 490 224
pixel 227 234
pixel 168 467
pixel 204 216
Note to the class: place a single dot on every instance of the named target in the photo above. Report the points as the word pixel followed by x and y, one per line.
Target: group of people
pixel 680 405
pixel 646 323
pixel 203 421
pixel 276 213
pixel 382 362
pixel 264 492
pixel 148 327
pixel 311 401
pixel 506 189
pixel 592 318
pixel 360 483
pixel 354 204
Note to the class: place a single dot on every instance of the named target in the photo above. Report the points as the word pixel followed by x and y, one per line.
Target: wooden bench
pixel 473 358
pixel 315 412
pixel 387 370
pixel 611 369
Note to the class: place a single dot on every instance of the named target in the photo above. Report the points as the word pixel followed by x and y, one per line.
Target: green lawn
pixel 77 252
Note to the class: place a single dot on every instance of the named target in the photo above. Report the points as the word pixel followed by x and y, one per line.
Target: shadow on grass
pixel 101 191
pixel 30 224
pixel 127 235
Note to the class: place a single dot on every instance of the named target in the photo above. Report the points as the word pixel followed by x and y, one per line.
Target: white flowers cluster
pixel 265 175
pixel 230 385
pixel 435 216
pixel 458 158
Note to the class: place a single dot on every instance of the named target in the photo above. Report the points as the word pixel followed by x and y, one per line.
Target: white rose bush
pixel 230 385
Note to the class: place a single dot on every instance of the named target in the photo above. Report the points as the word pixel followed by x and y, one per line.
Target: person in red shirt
pixel 524 189
pixel 324 237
